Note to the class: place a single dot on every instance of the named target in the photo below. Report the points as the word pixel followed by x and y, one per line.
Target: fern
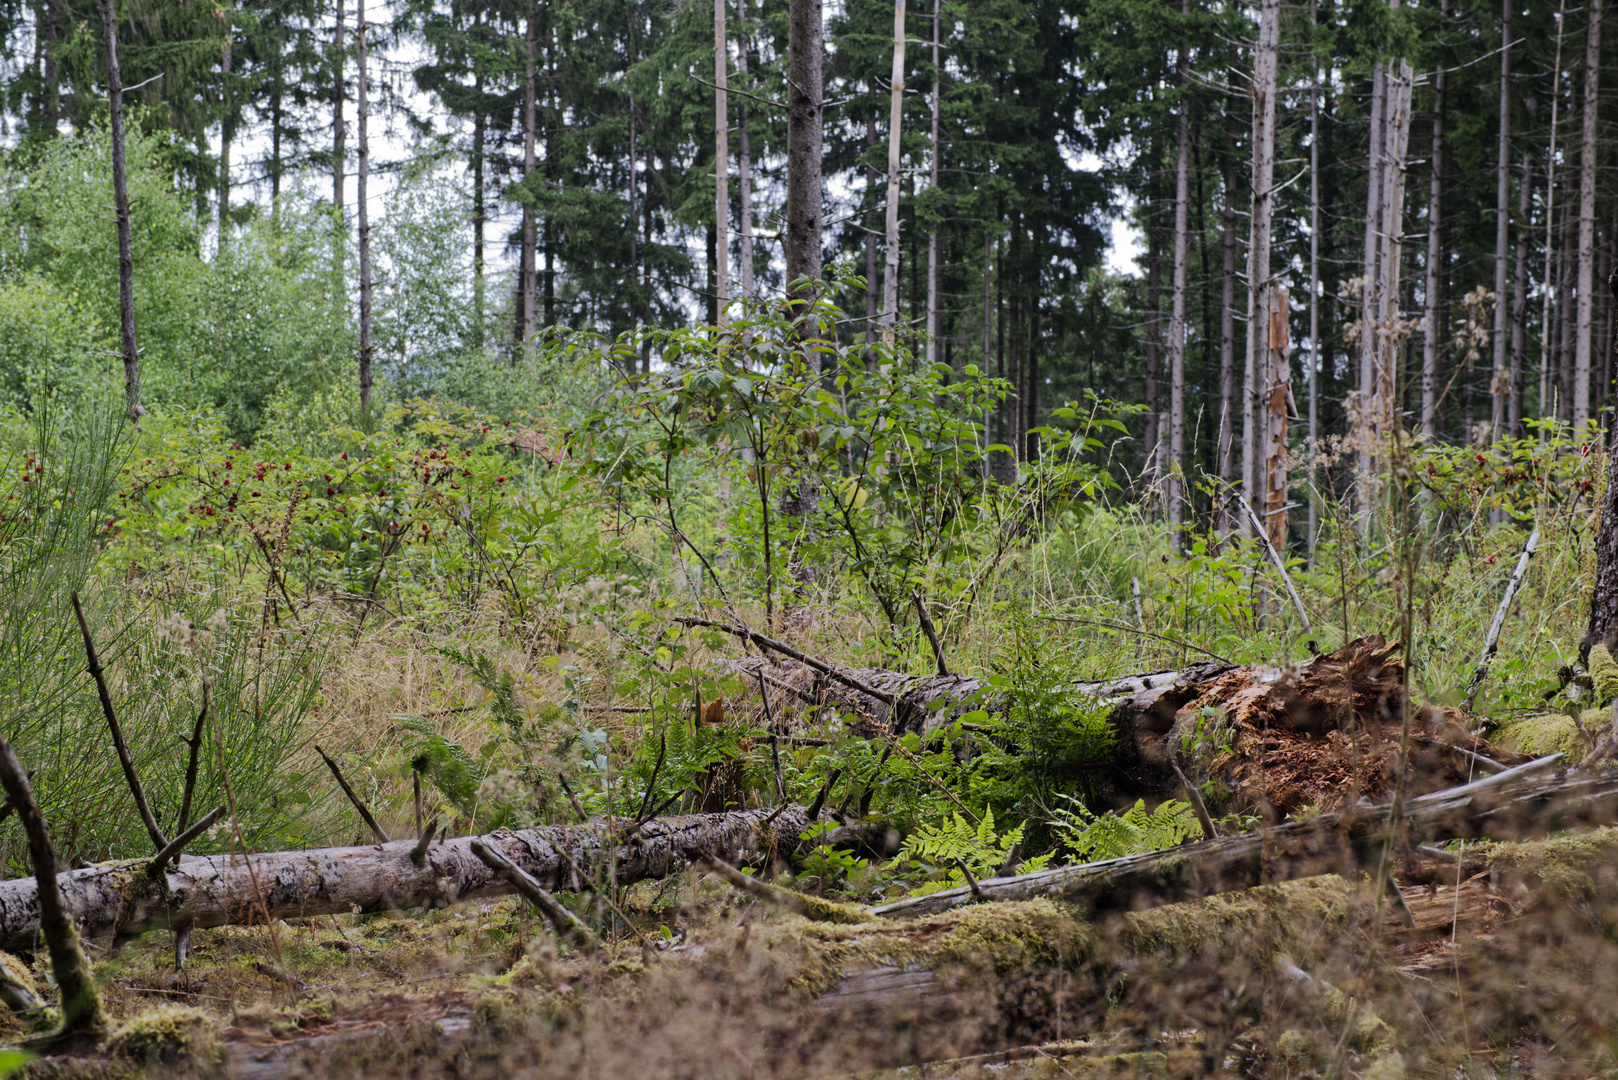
pixel 444 762
pixel 936 852
pixel 1093 837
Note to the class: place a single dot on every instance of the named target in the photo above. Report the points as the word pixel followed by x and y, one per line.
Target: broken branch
pixel 365 814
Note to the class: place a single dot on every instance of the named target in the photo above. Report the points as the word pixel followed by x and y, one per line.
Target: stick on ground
pixel 365 814
pixel 81 1005
pixel 100 677
pixel 566 923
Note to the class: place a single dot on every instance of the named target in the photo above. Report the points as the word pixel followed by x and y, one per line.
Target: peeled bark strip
pixel 218 890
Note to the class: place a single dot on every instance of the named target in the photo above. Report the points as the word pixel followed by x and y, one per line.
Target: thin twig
pixel 786 650
pixel 780 784
pixel 1492 642
pixel 415 786
pixel 565 922
pixel 578 807
pixel 1280 565
pixel 1143 633
pixel 195 743
pixel 1195 797
pixel 100 676
pixel 177 845
pixel 795 902
pixel 932 634
pixel 662 749
pixel 365 814
pixel 820 799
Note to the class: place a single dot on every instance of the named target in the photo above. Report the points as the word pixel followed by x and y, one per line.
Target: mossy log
pixel 1515 805
pixel 120 898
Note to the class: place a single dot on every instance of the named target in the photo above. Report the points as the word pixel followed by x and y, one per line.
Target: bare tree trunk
pixel 480 214
pixel 1154 333
pixel 805 59
pixel 363 207
pixel 721 164
pixel 1603 627
pixel 1314 288
pixel 1566 307
pixel 227 131
pixel 890 275
pixel 1550 230
pixel 1587 218
pixel 120 203
pixel 1259 301
pixel 1228 401
pixel 744 163
pixel 932 234
pixel 1499 385
pixel 1396 143
pixel 1432 329
pixel 873 316
pixel 339 159
pixel 1519 298
pixel 1370 276
pixel 1175 481
pixel 527 287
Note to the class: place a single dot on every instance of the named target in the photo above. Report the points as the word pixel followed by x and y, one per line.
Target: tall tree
pixel 721 275
pixel 890 276
pixel 933 160
pixel 805 61
pixel 120 202
pixel 362 202
pixel 1255 478
pixel 1174 490
pixel 744 160
pixel 339 161
pixel 1500 385
pixel 1588 152
pixel 527 292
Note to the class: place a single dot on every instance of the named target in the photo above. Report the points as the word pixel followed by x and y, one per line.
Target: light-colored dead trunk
pixel 721 140
pixel 362 205
pixel 890 277
pixel 1588 150
pixel 1364 403
pixel 1255 397
pixel 1432 332
pixel 1500 384
pixel 744 166
pixel 932 234
pixel 1174 488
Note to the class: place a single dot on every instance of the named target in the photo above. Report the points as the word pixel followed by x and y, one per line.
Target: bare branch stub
pixel 365 813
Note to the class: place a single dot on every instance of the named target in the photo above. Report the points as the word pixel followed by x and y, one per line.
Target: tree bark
pixel 890 274
pixel 1603 626
pixel 1370 277
pixel 120 201
pixel 339 160
pixel 744 163
pixel 527 289
pixel 219 890
pixel 1174 490
pixel 1315 368
pixel 1258 365
pixel 1229 407
pixel 805 61
pixel 1519 299
pixel 932 233
pixel 1588 150
pixel 721 164
pixel 362 206
pixel 227 131
pixel 1432 330
pixel 1499 385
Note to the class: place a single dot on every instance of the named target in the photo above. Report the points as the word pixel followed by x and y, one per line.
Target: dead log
pixel 1323 732
pixel 1514 805
pixel 218 890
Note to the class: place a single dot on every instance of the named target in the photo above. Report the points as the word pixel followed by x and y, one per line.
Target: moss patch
pixel 1603 675
pixel 1548 733
pixel 167 1036
pixel 1293 916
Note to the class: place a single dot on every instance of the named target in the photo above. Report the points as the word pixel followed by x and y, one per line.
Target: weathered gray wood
pixel 218 890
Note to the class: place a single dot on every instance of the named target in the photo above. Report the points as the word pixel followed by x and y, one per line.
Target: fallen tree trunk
pixel 1323 732
pixel 1514 805
pixel 120 898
